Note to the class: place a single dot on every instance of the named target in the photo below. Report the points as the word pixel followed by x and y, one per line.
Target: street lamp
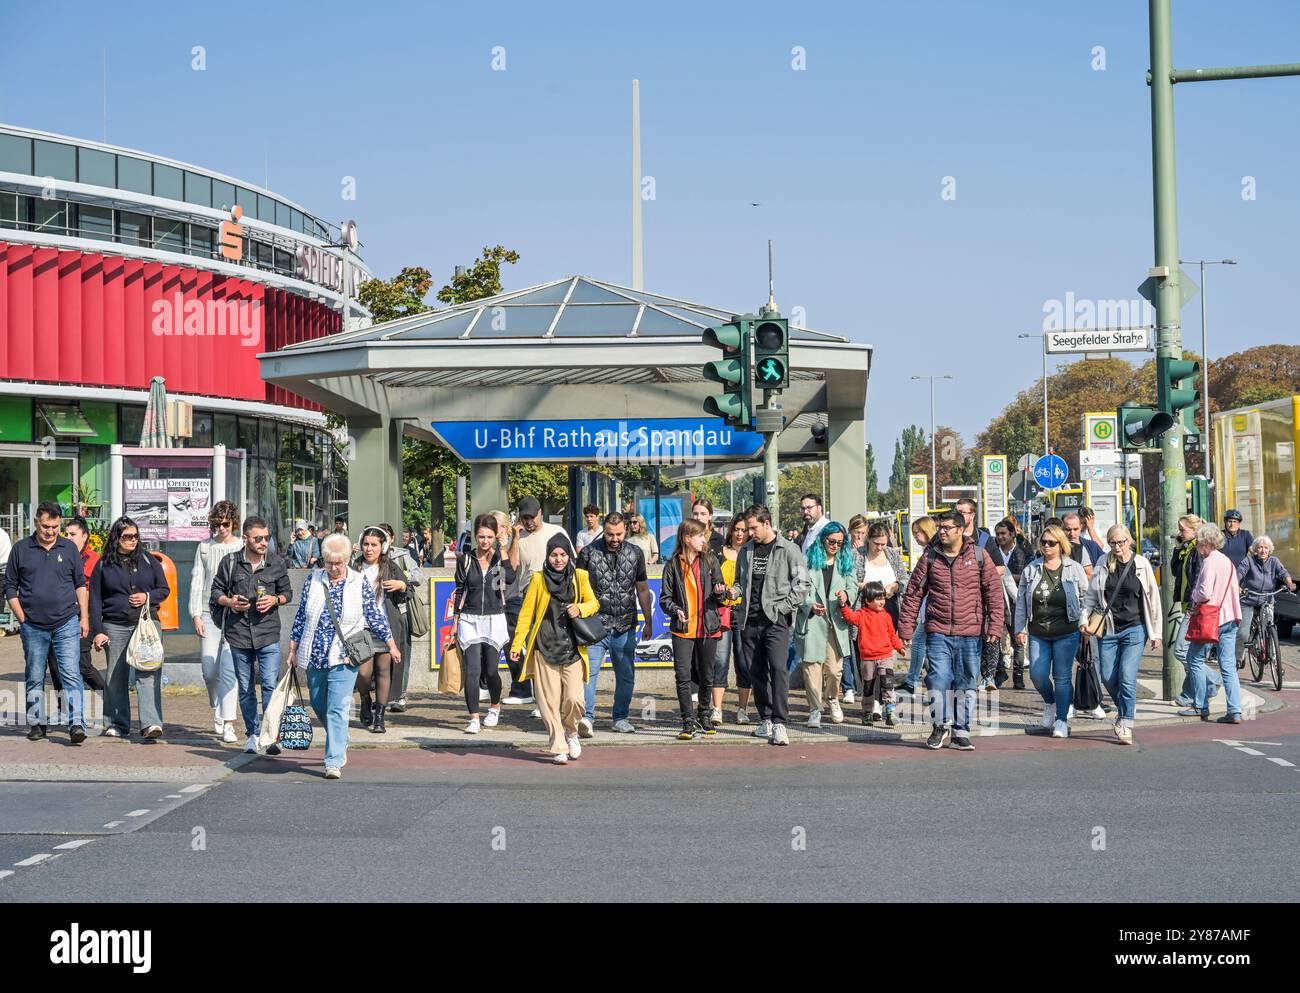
pixel 1043 336
pixel 1205 363
pixel 934 461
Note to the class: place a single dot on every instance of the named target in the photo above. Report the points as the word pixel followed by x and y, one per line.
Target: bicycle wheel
pixel 1274 656
pixel 1255 652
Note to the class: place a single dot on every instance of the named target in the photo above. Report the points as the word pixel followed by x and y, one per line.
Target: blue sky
pixel 1051 158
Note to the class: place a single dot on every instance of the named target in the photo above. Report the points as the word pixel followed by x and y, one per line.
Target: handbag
pixel 588 630
pixel 144 652
pixel 1097 626
pixel 1087 684
pixel 417 606
pixel 451 670
pixel 1203 628
pixel 295 731
pixel 360 647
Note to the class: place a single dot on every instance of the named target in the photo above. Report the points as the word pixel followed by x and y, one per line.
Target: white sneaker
pixel 1060 730
pixel 218 725
pixel 814 719
pixel 585 730
pixel 764 730
pixel 715 716
pixel 483 695
pixel 1070 715
pixel 250 746
pixel 837 712
pixel 332 773
pixel 875 708
pixel 849 697
pixel 492 718
pixel 779 736
pixel 695 698
pixel 535 713
pixel 473 727
pixel 624 726
pixel 742 716
pixel 1124 733
pixel 1097 713
pixel 575 746
pixel 512 699
pixel 560 759
pixel 228 734
pixel 1049 715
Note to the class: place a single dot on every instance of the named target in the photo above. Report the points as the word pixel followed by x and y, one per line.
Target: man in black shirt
pixel 47 593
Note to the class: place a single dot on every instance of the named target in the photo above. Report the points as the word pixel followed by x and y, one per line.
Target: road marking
pixel 1249 751
pixel 171 796
pixel 1289 765
pixel 1233 743
pixel 74 844
pixel 145 810
pixel 113 824
pixel 195 788
pixel 6 872
pixel 34 860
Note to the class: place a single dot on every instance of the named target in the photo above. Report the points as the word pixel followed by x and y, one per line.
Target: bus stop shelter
pixel 570 352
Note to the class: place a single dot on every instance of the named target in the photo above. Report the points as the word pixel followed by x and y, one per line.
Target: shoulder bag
pixel 1203 628
pixel 1097 626
pixel 360 648
pixel 417 606
pixel 1087 683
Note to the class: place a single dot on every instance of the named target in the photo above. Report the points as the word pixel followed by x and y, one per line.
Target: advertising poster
pixel 145 502
pixel 188 503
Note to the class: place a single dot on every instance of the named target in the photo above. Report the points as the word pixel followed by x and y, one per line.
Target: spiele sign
pixel 316 265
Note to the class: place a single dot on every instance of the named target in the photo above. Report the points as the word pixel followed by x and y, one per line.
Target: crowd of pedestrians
pixel 834 605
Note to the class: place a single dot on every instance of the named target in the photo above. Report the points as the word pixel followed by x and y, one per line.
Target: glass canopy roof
pixel 573 307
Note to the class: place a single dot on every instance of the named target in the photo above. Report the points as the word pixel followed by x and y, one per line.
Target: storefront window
pixel 202 437
pixel 130 424
pixel 267 438
pixel 225 430
pixel 248 435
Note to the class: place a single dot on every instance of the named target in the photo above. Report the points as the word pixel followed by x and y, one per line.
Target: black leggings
pixel 377 674
pixel 693 662
pixel 481 662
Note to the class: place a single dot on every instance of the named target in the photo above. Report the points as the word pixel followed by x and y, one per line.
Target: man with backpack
pixel 965 609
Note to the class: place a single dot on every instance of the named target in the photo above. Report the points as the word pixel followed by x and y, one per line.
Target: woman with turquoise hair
pixel 822 635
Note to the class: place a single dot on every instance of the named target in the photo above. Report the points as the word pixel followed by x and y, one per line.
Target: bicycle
pixel 1261 644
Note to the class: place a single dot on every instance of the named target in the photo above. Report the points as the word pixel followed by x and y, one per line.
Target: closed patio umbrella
pixel 155 434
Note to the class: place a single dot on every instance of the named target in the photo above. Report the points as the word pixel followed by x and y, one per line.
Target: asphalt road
pixel 1179 817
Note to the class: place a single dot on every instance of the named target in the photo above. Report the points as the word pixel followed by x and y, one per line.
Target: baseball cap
pixel 529 507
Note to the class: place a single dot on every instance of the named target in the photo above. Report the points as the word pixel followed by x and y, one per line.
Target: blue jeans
pixel 1051 669
pixel 331 697
pixel 268 664
pixel 1119 656
pixel 918 648
pixel 1197 669
pixel 622 652
pixel 849 680
pixel 955 667
pixel 1181 646
pixel 65 640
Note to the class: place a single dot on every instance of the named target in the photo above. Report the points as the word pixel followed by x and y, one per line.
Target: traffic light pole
pixel 770 473
pixel 1169 290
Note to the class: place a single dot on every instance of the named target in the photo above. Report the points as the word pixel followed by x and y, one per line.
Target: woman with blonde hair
pixel 1124 594
pixel 729 646
pixel 639 534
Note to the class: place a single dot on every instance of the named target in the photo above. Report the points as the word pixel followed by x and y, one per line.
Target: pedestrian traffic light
pixel 1140 426
pixel 734 403
pixel 771 353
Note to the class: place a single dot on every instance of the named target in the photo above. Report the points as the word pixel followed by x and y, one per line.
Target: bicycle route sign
pixel 1051 472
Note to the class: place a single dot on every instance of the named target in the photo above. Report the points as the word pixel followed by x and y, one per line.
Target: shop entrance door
pixel 31 474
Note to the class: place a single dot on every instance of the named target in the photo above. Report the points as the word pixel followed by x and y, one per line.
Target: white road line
pixel 1233 743
pixel 195 788
pixel 113 824
pixel 74 844
pixel 34 860
pixel 1289 765
pixel 171 796
pixel 6 872
pixel 145 810
pixel 1249 751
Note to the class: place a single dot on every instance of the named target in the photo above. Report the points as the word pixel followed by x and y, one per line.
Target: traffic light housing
pixel 1178 389
pixel 734 404
pixel 1140 426
pixel 771 353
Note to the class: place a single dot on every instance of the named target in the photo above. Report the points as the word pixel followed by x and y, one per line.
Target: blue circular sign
pixel 1051 471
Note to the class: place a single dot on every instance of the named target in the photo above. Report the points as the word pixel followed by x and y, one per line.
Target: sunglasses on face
pixel 834 542
pixel 1049 543
pixel 258 538
pixel 133 536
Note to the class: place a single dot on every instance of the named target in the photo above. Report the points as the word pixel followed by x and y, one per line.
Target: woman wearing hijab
pixel 552 657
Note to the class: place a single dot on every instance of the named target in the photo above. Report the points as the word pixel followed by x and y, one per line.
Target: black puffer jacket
pixel 614 576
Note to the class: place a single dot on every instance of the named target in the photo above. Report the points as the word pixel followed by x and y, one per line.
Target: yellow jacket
pixel 536 601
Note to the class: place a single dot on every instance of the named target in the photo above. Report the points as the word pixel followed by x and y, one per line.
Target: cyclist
pixel 1237 541
pixel 1259 573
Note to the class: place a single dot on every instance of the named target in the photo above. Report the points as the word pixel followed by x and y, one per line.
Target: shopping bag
pixel 285 694
pixel 295 724
pixel 451 672
pixel 144 651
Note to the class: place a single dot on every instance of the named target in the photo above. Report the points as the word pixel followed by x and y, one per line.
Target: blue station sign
pixel 650 441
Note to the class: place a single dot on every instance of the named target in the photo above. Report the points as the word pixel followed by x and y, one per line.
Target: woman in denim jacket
pixel 1049 602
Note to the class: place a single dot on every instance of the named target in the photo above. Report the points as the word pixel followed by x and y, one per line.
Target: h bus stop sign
pixel 1051 471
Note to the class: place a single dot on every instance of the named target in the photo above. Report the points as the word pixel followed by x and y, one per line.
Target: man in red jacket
pixel 965 609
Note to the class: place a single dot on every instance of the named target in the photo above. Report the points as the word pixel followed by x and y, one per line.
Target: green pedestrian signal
pixel 1140 426
pixel 772 353
pixel 734 404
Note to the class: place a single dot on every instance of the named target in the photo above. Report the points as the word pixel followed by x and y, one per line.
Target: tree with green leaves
pixel 481 278
pixel 872 501
pixel 401 296
pixel 909 443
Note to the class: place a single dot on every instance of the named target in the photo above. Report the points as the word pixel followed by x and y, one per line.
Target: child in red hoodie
pixel 878 645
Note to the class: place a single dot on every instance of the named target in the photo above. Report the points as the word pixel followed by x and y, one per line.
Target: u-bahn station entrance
pixel 576 371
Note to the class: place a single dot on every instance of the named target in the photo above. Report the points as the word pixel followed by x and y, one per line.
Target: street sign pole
pixel 1167 277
